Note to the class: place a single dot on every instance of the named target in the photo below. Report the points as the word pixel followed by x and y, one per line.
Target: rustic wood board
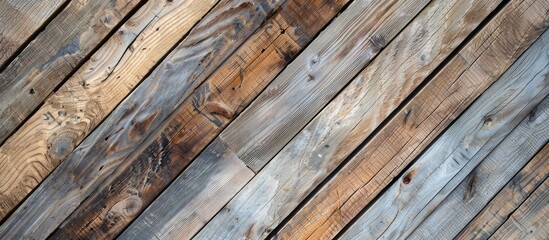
pixel 208 44
pixel 201 117
pixel 509 198
pixel 315 77
pixel 72 112
pixel 418 123
pixel 53 55
pixel 20 20
pixel 489 120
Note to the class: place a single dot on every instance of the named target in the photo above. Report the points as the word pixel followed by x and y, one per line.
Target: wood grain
pixel 20 20
pixel 49 59
pixel 315 77
pixel 199 119
pixel 72 112
pixel 475 134
pixel 530 220
pixel 208 44
pixel 419 122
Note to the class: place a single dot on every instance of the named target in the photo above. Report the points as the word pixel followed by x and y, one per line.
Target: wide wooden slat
pixel 315 77
pixel 509 198
pixel 53 55
pixel 72 112
pixel 208 44
pixel 530 220
pixel 321 146
pixel 465 77
pixel 483 183
pixel 19 20
pixel 475 134
pixel 198 121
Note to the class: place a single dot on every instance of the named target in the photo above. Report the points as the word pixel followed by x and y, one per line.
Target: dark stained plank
pixel 200 118
pixel 72 112
pixel 53 55
pixel 476 66
pixel 20 20
pixel 320 147
pixel 208 44
pixel 315 77
pixel 496 212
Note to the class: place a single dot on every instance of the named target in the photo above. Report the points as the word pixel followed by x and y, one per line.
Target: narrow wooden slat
pixel 316 150
pixel 474 135
pixel 530 220
pixel 208 44
pixel 53 55
pixel 475 67
pixel 19 20
pixel 72 112
pixel 475 190
pixel 200 118
pixel 509 198
pixel 315 77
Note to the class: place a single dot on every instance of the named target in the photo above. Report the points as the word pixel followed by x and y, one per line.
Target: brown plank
pixel 419 122
pixel 72 112
pixel 20 20
pixel 208 44
pixel 530 220
pixel 201 117
pixel 496 212
pixel 53 55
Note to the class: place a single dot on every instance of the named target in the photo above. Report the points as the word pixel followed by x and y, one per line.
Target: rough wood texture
pixel 201 117
pixel 495 213
pixel 72 112
pixel 194 197
pixel 20 20
pixel 208 44
pixel 489 120
pixel 476 66
pixel 315 77
pixel 530 220
pixel 53 55
pixel 315 151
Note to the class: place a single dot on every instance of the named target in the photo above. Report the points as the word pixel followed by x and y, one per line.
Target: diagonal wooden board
pixel 53 55
pixel 200 118
pixel 71 113
pixel 475 134
pixel 465 77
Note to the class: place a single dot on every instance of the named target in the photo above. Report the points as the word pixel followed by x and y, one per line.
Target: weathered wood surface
pixel 530 220
pixel 495 213
pixel 200 118
pixel 315 77
pixel 315 151
pixel 208 44
pixel 476 66
pixel 475 134
pixel 72 112
pixel 53 55
pixel 19 20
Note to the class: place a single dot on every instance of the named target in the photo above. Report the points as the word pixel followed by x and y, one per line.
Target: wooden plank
pixel 208 44
pixel 53 55
pixel 315 77
pixel 474 135
pixel 202 116
pixel 20 20
pixel 476 66
pixel 460 205
pixel 509 198
pixel 440 24
pixel 530 220
pixel 194 197
pixel 72 112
